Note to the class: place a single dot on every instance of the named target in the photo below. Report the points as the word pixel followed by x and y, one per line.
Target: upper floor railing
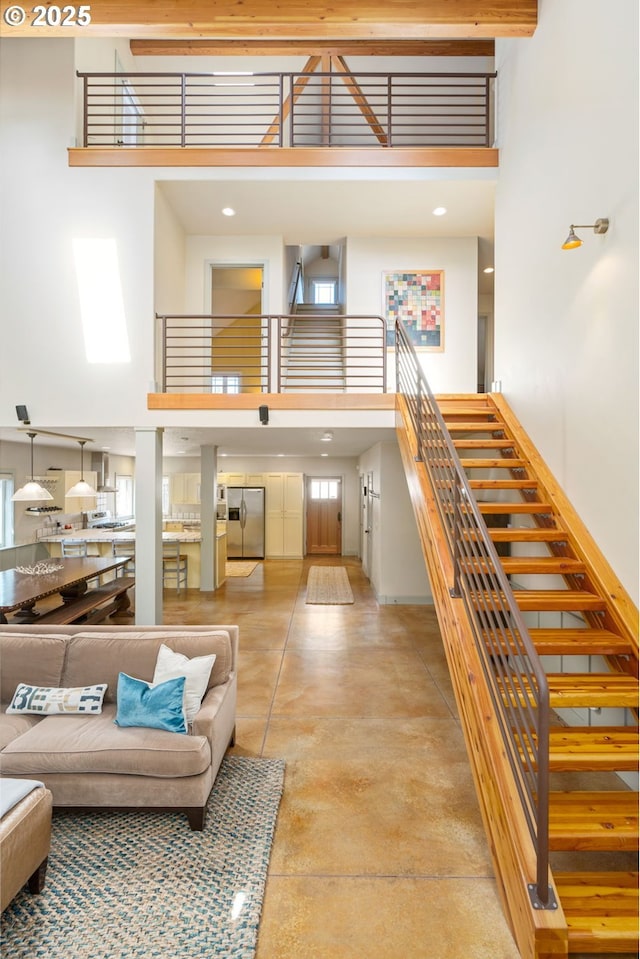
pixel 267 353
pixel 308 109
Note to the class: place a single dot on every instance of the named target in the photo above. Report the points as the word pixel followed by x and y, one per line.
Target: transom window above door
pixel 324 489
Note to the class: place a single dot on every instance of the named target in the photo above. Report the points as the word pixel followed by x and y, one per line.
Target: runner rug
pixel 239 567
pixel 137 884
pixel 328 585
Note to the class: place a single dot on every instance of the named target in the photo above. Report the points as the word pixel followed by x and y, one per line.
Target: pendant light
pixel 31 490
pixel 81 488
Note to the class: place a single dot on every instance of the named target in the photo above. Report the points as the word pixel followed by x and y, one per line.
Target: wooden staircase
pixel 314 354
pixel 585 628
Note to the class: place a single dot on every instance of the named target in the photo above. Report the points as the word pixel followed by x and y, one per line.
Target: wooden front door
pixel 324 516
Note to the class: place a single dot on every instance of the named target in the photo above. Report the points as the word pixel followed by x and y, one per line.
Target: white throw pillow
pixel 50 700
pixel 171 665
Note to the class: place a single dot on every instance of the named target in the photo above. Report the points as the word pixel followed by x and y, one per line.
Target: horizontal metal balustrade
pixel 272 353
pixel 337 109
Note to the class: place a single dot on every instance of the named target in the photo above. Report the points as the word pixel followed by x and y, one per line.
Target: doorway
pixel 324 516
pixel 238 348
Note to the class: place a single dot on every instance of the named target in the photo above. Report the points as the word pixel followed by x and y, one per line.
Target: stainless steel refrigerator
pixel 245 522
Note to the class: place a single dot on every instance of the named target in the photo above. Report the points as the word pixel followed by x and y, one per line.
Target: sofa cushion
pixel 13 726
pixel 94 744
pixel 196 672
pixel 37 659
pixel 100 656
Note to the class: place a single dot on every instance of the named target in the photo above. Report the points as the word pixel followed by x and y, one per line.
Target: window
pixel 124 495
pixel 324 292
pixel 324 489
pixel 225 384
pixel 166 496
pixel 6 509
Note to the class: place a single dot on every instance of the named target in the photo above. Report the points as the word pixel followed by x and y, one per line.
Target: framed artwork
pixel 417 299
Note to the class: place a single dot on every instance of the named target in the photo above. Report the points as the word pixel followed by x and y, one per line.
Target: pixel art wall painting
pixel 417 299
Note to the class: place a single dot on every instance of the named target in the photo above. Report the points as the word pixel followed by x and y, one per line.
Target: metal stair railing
pixel 513 672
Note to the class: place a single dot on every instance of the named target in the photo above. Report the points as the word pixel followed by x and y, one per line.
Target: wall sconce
pixel 81 488
pixel 263 413
pixel 31 490
pixel 573 242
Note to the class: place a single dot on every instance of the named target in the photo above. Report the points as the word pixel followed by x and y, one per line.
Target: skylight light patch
pixel 104 322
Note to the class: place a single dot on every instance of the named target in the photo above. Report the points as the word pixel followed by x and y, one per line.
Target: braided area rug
pixel 328 585
pixel 137 885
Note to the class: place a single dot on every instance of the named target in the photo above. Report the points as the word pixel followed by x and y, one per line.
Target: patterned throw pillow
pixel 49 700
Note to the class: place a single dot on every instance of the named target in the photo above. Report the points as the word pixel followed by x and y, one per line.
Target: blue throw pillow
pixel 157 707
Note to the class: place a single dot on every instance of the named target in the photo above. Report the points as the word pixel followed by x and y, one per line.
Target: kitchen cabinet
pixel 241 479
pixel 184 489
pixel 64 480
pixel 284 517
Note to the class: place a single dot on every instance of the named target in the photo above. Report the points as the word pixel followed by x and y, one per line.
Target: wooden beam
pixel 361 101
pixel 296 48
pixel 276 401
pixel 283 157
pixel 274 128
pixel 292 20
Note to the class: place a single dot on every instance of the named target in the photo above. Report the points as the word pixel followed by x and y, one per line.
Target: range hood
pixel 100 463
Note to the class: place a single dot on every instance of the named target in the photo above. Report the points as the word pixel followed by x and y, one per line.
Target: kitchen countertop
pixel 120 535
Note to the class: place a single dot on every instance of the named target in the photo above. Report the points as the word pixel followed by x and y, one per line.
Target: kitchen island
pixel 99 544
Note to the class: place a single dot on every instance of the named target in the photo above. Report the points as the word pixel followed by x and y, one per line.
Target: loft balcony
pixel 332 117
pixel 292 361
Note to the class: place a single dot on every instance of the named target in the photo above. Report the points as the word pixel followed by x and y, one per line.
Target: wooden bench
pixel 93 606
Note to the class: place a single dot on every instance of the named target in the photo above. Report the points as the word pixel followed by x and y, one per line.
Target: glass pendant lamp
pixel 31 491
pixel 81 488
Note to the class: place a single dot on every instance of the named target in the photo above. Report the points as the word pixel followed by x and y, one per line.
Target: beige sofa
pixel 87 760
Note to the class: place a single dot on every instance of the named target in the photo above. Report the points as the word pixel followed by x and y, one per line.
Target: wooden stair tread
pixel 473 427
pixel 496 508
pixel 593 690
pixel 503 484
pixel 491 443
pixel 598 893
pixel 571 642
pixel 562 565
pixel 534 600
pixel 601 910
pixel 471 463
pixel 593 748
pixel 539 600
pixel 519 534
pixel 596 821
pixel 570 690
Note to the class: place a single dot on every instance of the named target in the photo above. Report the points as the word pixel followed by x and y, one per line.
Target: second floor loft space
pixel 412 119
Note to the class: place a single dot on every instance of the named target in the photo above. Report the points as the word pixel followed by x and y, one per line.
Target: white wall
pixel 566 322
pixel 45 206
pixel 454 370
pixel 398 571
pixel 201 251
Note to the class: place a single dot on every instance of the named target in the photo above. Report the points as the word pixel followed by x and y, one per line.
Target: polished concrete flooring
pixel 379 850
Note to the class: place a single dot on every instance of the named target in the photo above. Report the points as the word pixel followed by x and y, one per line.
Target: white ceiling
pixel 186 441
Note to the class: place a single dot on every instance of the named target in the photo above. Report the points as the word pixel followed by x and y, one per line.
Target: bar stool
pixel 127 547
pixel 174 566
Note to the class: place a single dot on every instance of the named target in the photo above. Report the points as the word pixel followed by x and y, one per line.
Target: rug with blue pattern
pixel 142 885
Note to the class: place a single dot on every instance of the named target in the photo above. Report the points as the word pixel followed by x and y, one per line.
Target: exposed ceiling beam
pixel 290 19
pixel 295 48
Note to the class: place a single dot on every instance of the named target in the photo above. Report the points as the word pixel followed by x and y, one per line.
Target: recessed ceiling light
pixel 327 437
pixel 228 211
pixel 106 447
pixel 488 269
pixel 440 211
pixel 280 454
pixel 324 454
